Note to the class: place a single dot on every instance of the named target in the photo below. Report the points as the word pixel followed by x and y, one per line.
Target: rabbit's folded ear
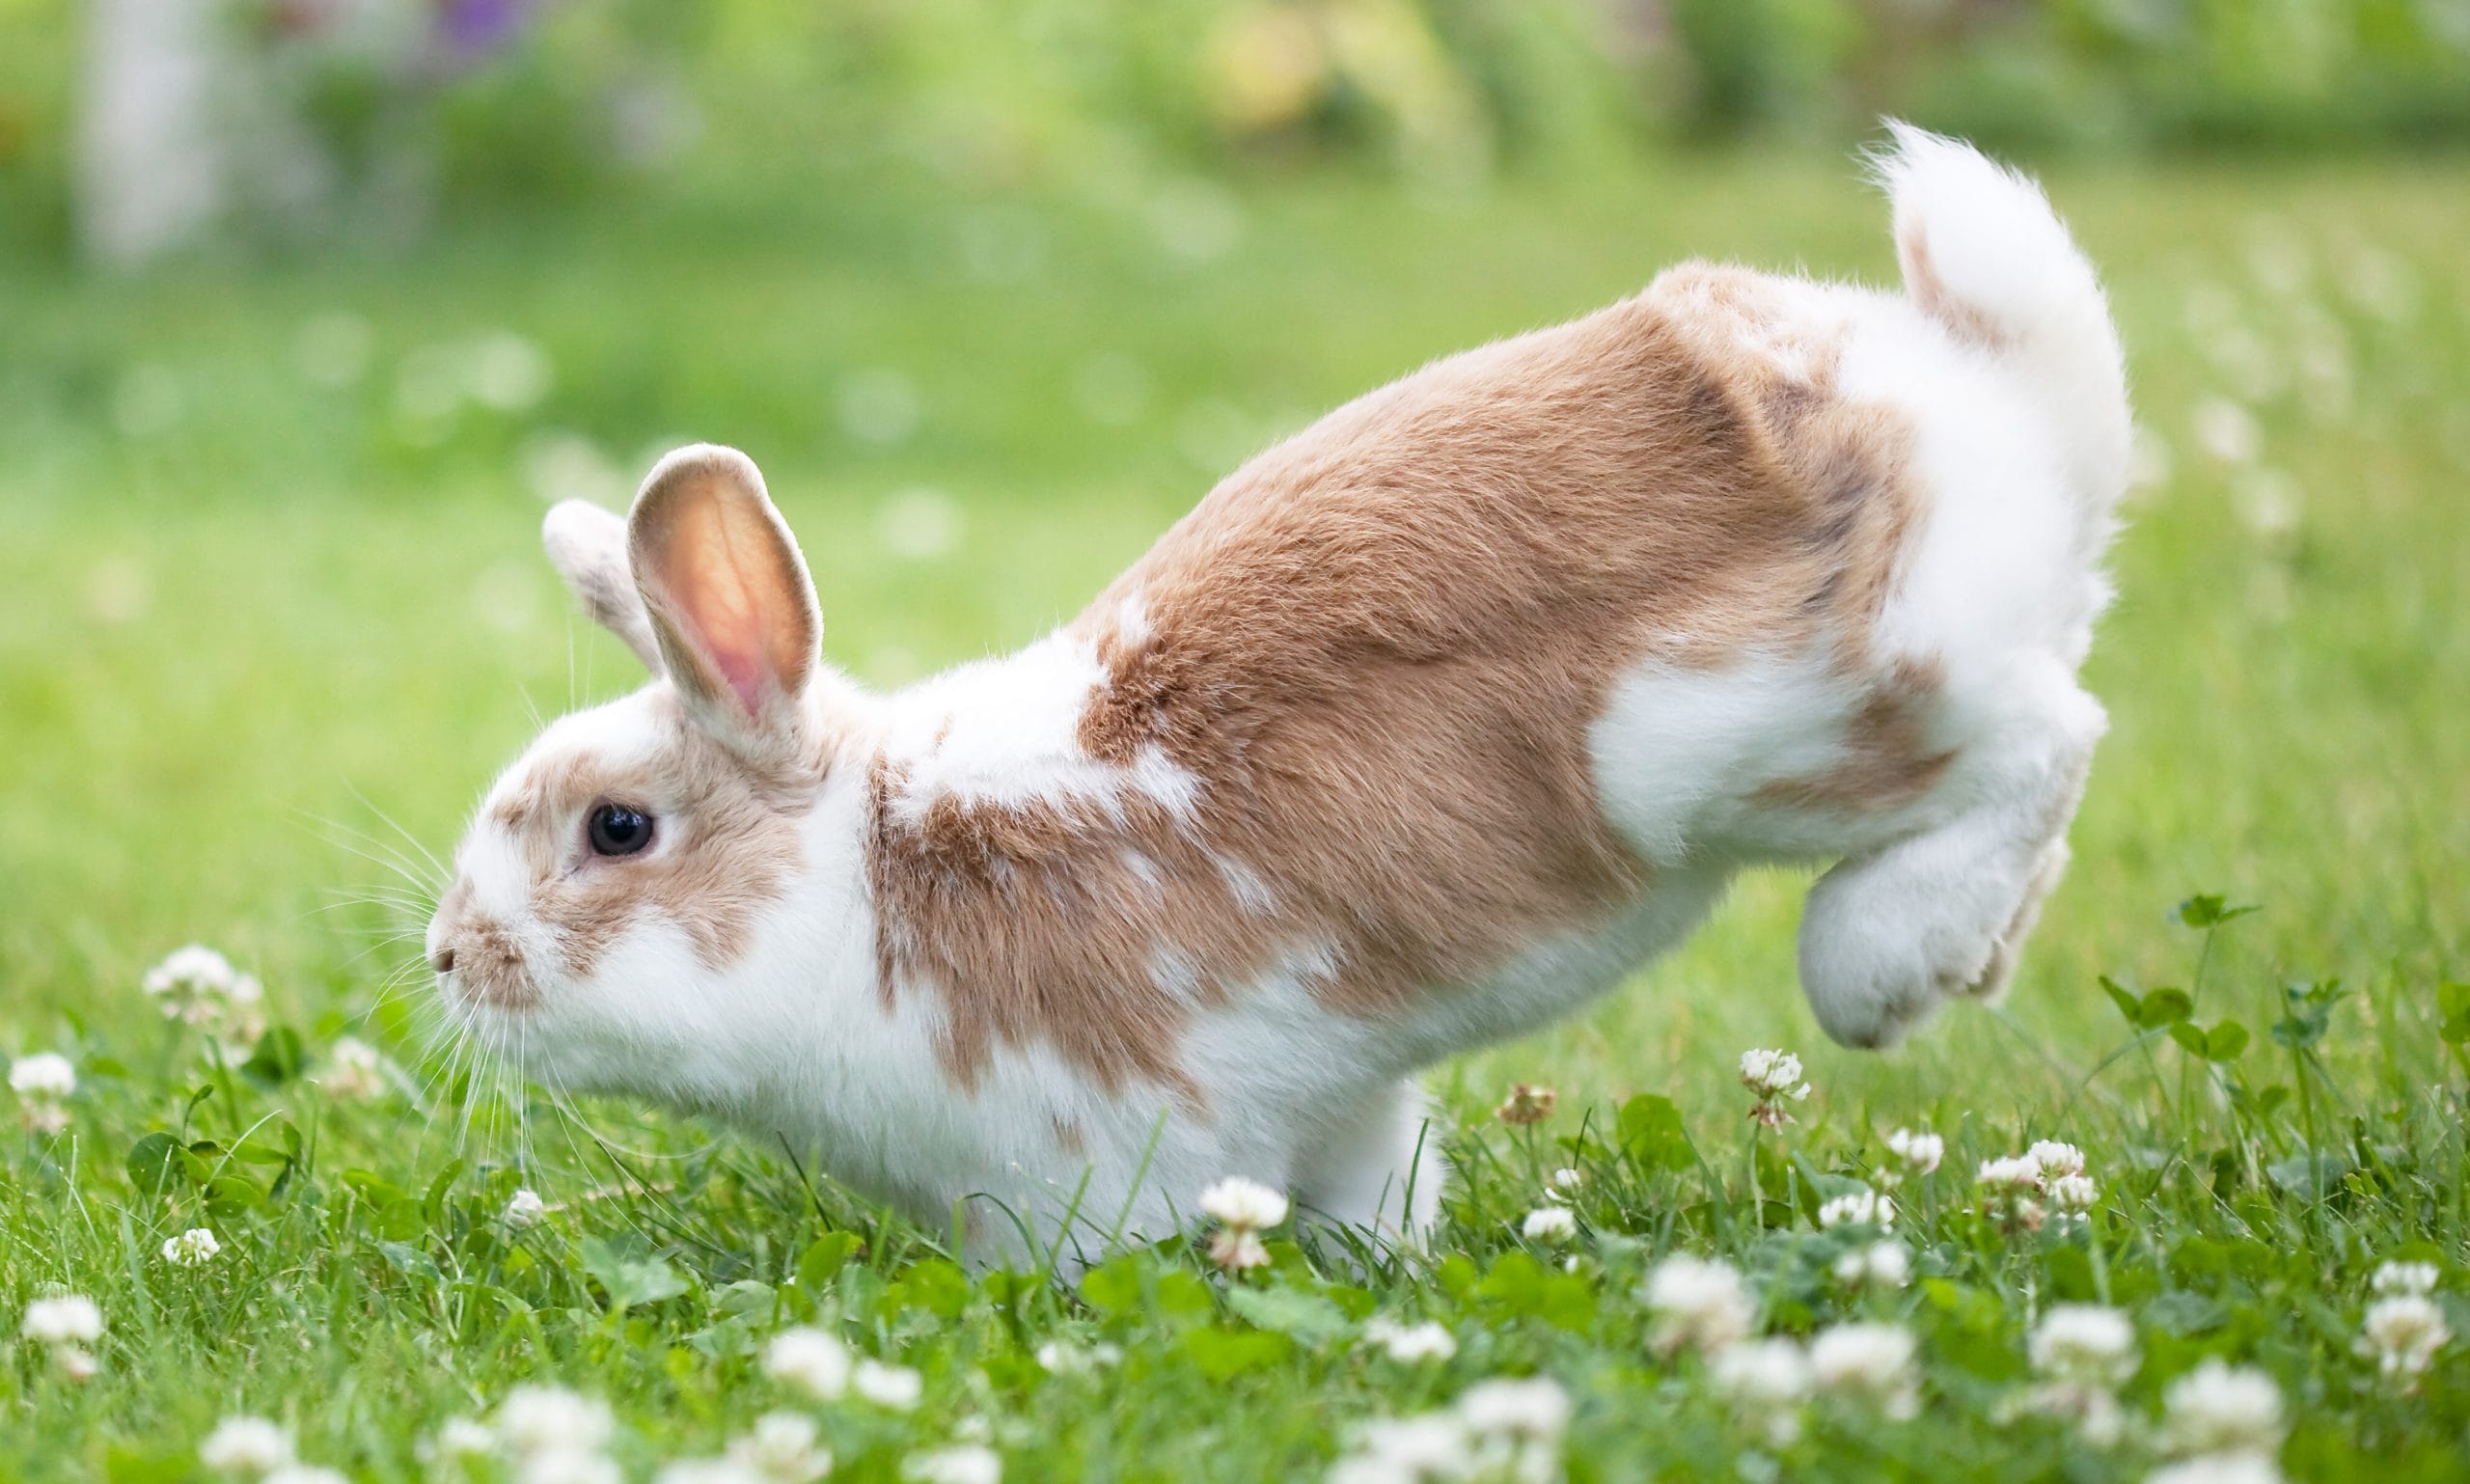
pixel 726 592
pixel 588 546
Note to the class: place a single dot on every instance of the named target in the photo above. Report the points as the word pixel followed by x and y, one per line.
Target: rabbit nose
pixel 442 960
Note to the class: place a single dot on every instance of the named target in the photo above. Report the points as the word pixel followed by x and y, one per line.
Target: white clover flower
pixel 963 1463
pixel 191 984
pixel 1564 1184
pixel 2227 431
pixel 355 1071
pixel 462 1438
pixel 1552 1224
pixel 191 1248
pixel 2012 1172
pixel 75 1364
pixel 1766 1381
pixel 1859 1208
pixel 1878 1265
pixel 1433 1445
pixel 1411 1344
pixel 2218 1407
pixel 781 1448
pixel 2093 1411
pixel 1059 1358
pixel 2073 1196
pixel 2055 1160
pixel 1871 1364
pixel 2083 1344
pixel 42 1083
pixel 1536 1408
pixel 2402 1333
pixel 1237 1249
pixel 2218 1469
pixel 894 1387
pixel 44 1073
pixel 307 1474
pixel 250 1448
pixel 1772 1077
pixel 1915 1153
pixel 69 1319
pixel 568 1466
pixel 1245 1204
pixel 544 1421
pixel 809 1361
pixel 1699 1304
pixel 525 1208
pixel 2412 1277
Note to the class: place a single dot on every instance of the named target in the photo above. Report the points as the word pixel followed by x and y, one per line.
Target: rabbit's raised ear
pixel 726 592
pixel 588 546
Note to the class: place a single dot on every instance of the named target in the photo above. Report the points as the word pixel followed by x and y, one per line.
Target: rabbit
pixel 1423 730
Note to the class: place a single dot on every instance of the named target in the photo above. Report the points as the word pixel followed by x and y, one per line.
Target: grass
pixel 250 619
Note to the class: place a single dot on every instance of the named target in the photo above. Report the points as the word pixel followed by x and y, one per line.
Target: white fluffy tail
pixel 1986 256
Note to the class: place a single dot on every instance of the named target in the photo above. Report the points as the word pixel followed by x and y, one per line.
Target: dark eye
pixel 617 830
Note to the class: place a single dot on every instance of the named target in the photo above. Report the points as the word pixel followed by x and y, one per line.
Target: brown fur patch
pixel 1380 646
pixel 724 846
pixel 1887 759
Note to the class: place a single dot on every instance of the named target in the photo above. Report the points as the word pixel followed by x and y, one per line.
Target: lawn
pixel 272 611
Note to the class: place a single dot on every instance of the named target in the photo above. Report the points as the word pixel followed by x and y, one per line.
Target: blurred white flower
pixel 1765 1381
pixel 2219 1407
pixel 782 1448
pixel 894 1387
pixel 1535 1408
pixel 2073 1196
pixel 1432 1446
pixel 919 523
pixel 1565 1184
pixel 2054 1159
pixel 43 1084
pixel 1916 1152
pixel 191 983
pixel 462 1438
pixel 1059 1358
pixel 1773 1077
pixel 191 1248
pixel 251 1447
pixel 568 1466
pixel 355 1070
pixel 1878 1265
pixel 508 372
pixel 963 1463
pixel 2218 1469
pixel 1552 1224
pixel 2402 1333
pixel 544 1421
pixel 1241 1203
pixel 1411 1344
pixel 2418 1277
pixel 2085 1343
pixel 879 407
pixel 810 1361
pixel 525 1208
pixel 2227 431
pixel 68 1319
pixel 560 466
pixel 2268 501
pixel 1238 1250
pixel 1871 1363
pixel 1857 1208
pixel 1699 1304
pixel 307 1474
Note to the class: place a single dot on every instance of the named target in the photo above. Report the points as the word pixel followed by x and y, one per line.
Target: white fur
pixel 2019 453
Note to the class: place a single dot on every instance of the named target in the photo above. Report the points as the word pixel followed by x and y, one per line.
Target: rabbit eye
pixel 615 829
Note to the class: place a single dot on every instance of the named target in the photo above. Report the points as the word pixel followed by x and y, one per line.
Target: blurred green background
pixel 290 363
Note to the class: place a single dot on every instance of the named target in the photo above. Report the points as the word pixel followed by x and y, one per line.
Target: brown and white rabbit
pixel 1427 726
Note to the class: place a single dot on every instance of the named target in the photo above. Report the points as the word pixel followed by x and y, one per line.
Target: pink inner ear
pixel 727 634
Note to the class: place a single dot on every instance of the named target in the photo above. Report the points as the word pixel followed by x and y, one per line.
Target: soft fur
pixel 1423 728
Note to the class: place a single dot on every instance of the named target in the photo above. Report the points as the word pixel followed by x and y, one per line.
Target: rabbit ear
pixel 588 546
pixel 728 594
